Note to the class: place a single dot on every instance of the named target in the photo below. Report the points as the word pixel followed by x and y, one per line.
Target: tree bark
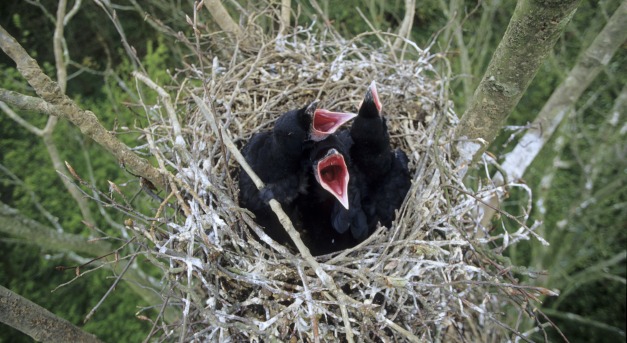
pixel 563 99
pixel 531 34
pixel 37 322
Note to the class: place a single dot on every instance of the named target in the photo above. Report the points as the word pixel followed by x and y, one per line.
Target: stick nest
pixel 432 276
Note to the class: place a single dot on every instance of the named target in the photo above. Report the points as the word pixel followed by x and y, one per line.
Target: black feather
pixel 276 157
pixel 385 172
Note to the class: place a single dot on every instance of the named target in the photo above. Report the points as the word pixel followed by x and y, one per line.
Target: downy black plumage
pixel 331 208
pixel 385 172
pixel 279 157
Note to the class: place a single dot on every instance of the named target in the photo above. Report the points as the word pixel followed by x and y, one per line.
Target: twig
pixel 179 141
pixel 115 283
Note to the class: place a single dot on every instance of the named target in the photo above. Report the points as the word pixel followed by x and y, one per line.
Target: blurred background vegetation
pixel 578 180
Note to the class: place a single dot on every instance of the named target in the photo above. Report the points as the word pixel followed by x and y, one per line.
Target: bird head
pixel 371 105
pixel 332 174
pixel 325 123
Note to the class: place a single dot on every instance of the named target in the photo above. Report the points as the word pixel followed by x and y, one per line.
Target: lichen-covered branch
pixel 532 32
pixel 85 120
pixel 589 65
pixel 37 322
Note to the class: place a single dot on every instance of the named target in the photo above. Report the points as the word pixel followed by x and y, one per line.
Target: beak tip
pixel 345 203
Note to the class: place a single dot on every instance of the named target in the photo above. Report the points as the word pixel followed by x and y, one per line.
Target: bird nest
pixel 432 276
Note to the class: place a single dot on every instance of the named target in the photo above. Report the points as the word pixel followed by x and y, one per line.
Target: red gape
pixel 332 174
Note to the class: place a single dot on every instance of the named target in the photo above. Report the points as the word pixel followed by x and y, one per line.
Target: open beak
pixel 372 97
pixel 326 122
pixel 332 174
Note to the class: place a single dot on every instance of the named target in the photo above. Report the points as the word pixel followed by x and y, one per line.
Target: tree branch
pixel 57 42
pixel 27 103
pixel 286 13
pixel 531 34
pixel 37 322
pixel 407 23
pixel 11 114
pixel 563 99
pixel 179 141
pixel 86 121
pixel 222 17
pixel 33 232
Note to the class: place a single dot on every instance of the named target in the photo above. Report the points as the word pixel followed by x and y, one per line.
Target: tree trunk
pixel 589 65
pixel 530 36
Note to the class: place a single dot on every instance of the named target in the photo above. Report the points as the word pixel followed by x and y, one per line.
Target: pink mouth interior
pixel 324 121
pixel 332 172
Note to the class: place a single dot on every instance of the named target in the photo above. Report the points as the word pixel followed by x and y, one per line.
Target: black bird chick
pixel 385 172
pixel 277 158
pixel 331 208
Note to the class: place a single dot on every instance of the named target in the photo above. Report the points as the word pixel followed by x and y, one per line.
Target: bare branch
pixel 86 121
pixel 27 102
pixel 9 112
pixel 61 62
pixel 37 322
pixel 33 232
pixel 179 141
pixel 286 12
pixel 54 221
pixel 57 40
pixel 111 288
pixel 72 12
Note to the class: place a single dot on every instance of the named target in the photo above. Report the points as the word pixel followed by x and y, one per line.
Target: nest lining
pixel 418 279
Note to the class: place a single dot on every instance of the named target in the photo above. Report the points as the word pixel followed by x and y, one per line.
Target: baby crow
pixel 385 172
pixel 331 208
pixel 276 156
